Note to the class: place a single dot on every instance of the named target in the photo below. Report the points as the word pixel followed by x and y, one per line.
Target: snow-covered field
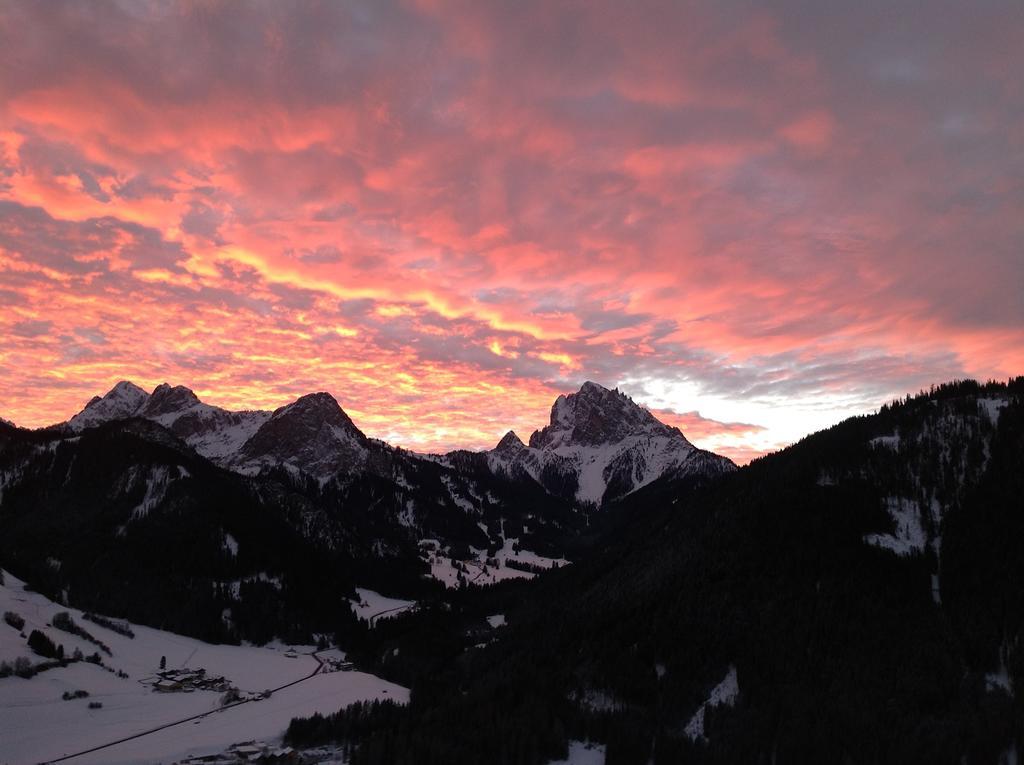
pixel 581 753
pixel 372 605
pixel 478 571
pixel 37 725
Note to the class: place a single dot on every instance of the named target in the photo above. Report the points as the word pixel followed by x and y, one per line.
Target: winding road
pixel 319 669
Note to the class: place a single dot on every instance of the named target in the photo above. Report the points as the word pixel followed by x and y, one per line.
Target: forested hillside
pixel 864 588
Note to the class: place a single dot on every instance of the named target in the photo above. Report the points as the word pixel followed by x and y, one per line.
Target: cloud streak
pixel 447 213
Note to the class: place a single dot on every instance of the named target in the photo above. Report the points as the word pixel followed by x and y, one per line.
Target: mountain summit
pixel 313 435
pixel 120 402
pixel 166 399
pixel 604 445
pixel 510 442
pixel 595 416
pixel 599 445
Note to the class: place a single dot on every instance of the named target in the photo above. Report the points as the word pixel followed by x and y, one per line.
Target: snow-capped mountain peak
pixel 599 443
pixel 510 442
pixel 312 434
pixel 167 399
pixel 213 432
pixel 596 415
pixel 123 400
pixel 313 409
pixel 605 445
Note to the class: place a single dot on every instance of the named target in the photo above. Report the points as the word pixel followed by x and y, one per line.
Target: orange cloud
pixel 448 213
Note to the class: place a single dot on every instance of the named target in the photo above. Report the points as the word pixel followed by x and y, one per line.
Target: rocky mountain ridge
pixel 599 445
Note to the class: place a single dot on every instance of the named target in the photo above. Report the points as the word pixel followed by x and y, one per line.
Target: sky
pixel 757 219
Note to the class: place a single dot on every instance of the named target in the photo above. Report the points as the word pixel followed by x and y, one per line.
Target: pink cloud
pixel 763 206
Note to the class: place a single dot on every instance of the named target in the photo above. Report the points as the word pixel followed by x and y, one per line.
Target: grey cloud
pixel 31 328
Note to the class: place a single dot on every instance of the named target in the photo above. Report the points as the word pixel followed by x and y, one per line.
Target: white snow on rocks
pixel 603 438
pixel 597 437
pixel 123 400
pixel 220 442
pixel 215 433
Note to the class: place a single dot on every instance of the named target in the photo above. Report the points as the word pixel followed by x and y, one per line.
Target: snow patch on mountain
pixel 726 692
pixel 910 536
pixel 481 568
pixel 599 445
pixel 156 481
pixel 372 605
pixel 123 400
pixel 887 442
pixel 215 433
pixel 312 435
pixel 606 444
pixel 992 407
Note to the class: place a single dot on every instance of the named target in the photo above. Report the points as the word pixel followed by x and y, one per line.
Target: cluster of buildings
pixel 187 680
pixel 267 754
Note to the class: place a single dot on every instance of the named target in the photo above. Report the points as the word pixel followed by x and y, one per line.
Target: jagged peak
pixel 126 388
pixel 313 433
pixel 315 409
pixel 167 398
pixel 597 415
pixel 124 392
pixel 321 401
pixel 166 389
pixel 590 386
pixel 510 441
pixel 123 400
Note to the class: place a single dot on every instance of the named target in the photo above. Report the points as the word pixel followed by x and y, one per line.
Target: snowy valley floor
pixel 37 725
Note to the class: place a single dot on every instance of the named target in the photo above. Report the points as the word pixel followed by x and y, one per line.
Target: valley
pixel 134 720
pixel 474 605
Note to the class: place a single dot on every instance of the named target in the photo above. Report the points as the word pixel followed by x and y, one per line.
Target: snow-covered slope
pixel 215 433
pixel 37 724
pixel 606 445
pixel 123 400
pixel 313 435
pixel 599 445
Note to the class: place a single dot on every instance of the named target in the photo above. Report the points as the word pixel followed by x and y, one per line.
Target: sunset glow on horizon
pixel 756 220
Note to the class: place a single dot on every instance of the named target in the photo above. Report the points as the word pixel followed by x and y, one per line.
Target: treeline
pixel 63 621
pixel 297 539
pixel 121 628
pixel 842 654
pixel 169 569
